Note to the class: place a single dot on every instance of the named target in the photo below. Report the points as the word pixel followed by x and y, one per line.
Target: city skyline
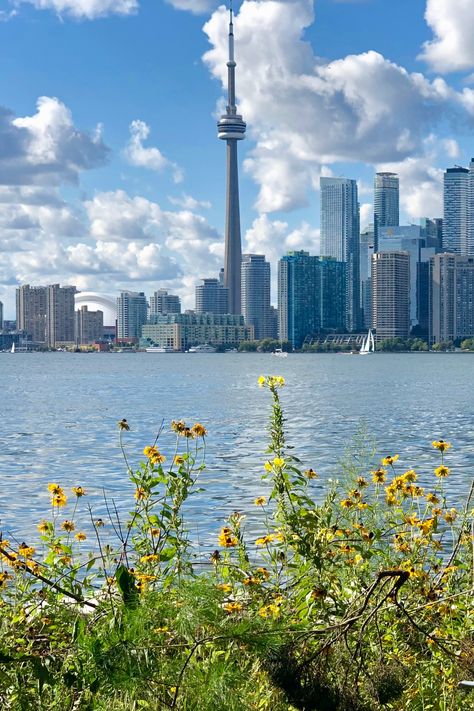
pixel 106 182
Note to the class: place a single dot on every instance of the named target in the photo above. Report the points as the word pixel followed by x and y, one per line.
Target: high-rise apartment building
pixel 31 313
pixel 311 296
pixel 180 331
pixel 256 294
pixel 89 326
pixel 366 250
pixel 386 202
pixel 212 297
pixel 451 297
pixel 163 303
pixel 1 316
pixel 432 232
pixel 340 237
pixel 456 210
pixel 391 295
pixel 132 310
pixel 60 315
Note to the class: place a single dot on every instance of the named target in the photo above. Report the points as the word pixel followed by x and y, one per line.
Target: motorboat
pixel 203 348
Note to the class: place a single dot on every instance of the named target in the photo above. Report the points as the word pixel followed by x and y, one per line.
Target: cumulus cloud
pixel 452 22
pixel 86 9
pixel 152 158
pixel 303 112
pixel 187 202
pixel 197 7
pixel 46 148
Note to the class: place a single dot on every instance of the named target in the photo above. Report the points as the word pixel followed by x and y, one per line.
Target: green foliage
pixel 357 600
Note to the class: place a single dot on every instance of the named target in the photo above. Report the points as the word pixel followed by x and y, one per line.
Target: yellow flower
pixel 278 462
pixel 178 460
pixel 65 559
pixel 98 523
pixel 25 551
pixel 379 476
pixel 59 500
pixel 231 607
pixel 270 611
pixel 442 471
pixel 251 581
pixel 347 503
pixel 123 425
pixel 225 587
pixel 4 577
pixel 441 445
pixel 263 572
pixel 432 498
pixel 80 536
pixel 260 501
pixel 362 482
pixel 227 538
pixel 450 516
pixel 198 430
pixel 262 381
pixel 310 474
pixel 412 520
pixel 151 558
pixel 390 461
pixel 68 526
pixel 140 494
pixel 55 489
pixel 78 491
pixel 410 475
pixel 358 559
pixel 44 526
pixel 155 532
pixel 427 526
pixel 178 427
pixel 264 540
pixel 268 467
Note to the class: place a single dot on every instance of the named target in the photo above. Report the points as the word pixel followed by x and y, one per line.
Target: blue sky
pixel 111 174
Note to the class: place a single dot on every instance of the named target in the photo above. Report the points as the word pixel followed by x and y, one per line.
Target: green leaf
pixel 127 587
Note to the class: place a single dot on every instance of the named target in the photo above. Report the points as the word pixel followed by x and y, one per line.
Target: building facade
pixel 451 297
pixel 31 313
pixel 366 251
pixel 163 303
pixel 455 220
pixel 1 316
pixel 211 297
pixel 386 202
pixel 256 294
pixel 391 295
pixel 340 236
pixel 89 326
pixel 60 316
pixel 311 296
pixel 132 311
pixel 181 331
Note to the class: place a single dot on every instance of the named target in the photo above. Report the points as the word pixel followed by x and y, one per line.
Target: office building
pixel 311 296
pixel 340 237
pixel 60 316
pixel 455 220
pixel 391 295
pixel 181 331
pixel 132 311
pixel 432 232
pixel 231 128
pixel 163 303
pixel 212 297
pixel 89 326
pixel 1 316
pixel 451 297
pixel 31 313
pixel 256 294
pixel 386 202
pixel 366 250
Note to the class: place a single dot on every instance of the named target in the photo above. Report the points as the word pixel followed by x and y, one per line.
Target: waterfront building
pixel 451 297
pixel 132 311
pixel 181 331
pixel 60 316
pixel 31 312
pixel 432 232
pixel 211 297
pixel 455 221
pixel 340 235
pixel 89 326
pixel 256 294
pixel 99 302
pixel 366 250
pixel 163 303
pixel 311 296
pixel 386 203
pixel 231 128
pixel 391 295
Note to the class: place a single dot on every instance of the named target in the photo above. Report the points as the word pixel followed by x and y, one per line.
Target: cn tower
pixel 231 128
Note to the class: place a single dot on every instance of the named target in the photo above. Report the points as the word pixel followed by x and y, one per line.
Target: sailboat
pixel 13 347
pixel 368 345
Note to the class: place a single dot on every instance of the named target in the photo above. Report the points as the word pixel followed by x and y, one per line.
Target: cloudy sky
pixel 111 175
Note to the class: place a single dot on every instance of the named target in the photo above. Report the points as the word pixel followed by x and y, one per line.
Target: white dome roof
pixel 98 302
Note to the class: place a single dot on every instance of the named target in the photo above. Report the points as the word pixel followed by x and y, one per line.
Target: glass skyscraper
pixel 340 227
pixel 457 182
pixel 256 294
pixel 132 311
pixel 386 203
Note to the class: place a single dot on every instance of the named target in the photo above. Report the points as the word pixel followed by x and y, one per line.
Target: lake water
pixel 59 414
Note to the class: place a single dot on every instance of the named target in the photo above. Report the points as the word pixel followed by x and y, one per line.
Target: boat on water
pixel 280 353
pixel 368 346
pixel 159 349
pixel 203 348
pixel 13 347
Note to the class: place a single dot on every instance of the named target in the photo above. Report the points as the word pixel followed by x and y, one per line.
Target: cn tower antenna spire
pixel 231 128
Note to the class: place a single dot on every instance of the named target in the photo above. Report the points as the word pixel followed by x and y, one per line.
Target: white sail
pixel 365 345
pixel 372 342
pixel 13 347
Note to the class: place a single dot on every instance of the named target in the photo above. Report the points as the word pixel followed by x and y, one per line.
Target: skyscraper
pixel 456 204
pixel 163 303
pixel 256 294
pixel 386 202
pixel 211 297
pixel 311 296
pixel 231 128
pixel 391 294
pixel 60 315
pixel 131 315
pixel 89 326
pixel 1 316
pixel 31 312
pixel 366 250
pixel 340 237
pixel 451 297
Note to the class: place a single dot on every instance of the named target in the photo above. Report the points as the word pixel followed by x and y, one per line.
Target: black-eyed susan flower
pixel 224 587
pixel 379 476
pixel 44 526
pixel 227 538
pixel 441 472
pixel 79 491
pixel 68 526
pixel 140 493
pixel 432 498
pixel 198 430
pixel 310 474
pixel 59 500
pixel 80 536
pixel 231 607
pixel 123 425
pixel 260 501
pixel 25 551
pixel 390 460
pixel 441 445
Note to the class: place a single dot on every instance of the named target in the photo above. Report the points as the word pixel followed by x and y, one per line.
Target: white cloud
pixel 452 22
pixel 187 202
pixel 197 7
pixel 152 158
pixel 86 9
pixel 46 148
pixel 303 113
